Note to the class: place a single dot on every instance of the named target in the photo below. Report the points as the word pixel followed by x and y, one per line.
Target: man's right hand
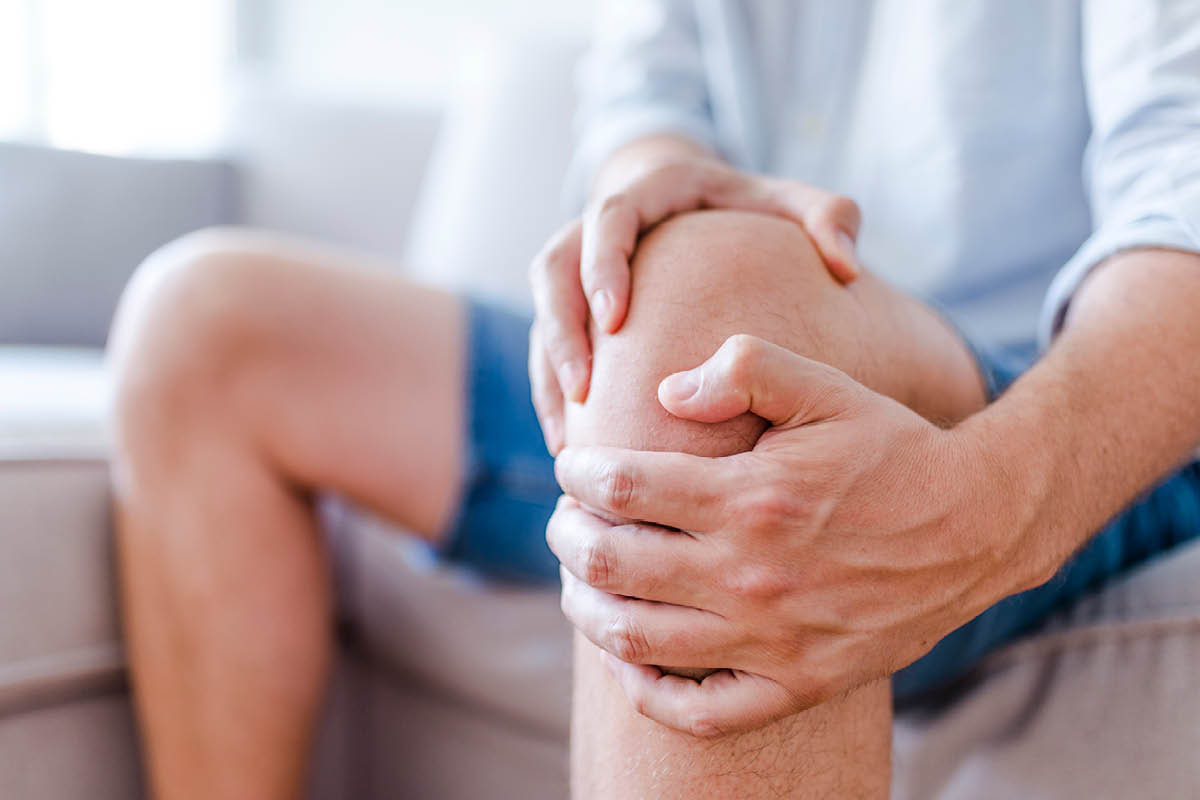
pixel 585 266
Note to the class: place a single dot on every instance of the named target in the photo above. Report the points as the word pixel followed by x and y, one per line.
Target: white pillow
pixel 492 193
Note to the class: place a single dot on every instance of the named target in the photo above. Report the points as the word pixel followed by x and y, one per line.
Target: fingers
pixel 643 561
pixel 723 703
pixel 832 222
pixel 612 226
pixel 672 489
pixel 546 393
pixel 610 234
pixel 750 374
pixel 645 632
pixel 562 314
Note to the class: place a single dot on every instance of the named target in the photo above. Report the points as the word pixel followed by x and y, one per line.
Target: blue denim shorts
pixel 510 492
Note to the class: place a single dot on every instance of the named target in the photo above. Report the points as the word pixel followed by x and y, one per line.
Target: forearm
pixel 1110 409
pixel 641 156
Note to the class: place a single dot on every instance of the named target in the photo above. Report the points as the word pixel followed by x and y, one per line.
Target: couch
pixel 445 686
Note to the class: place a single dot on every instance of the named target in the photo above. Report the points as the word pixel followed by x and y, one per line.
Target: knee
pixel 183 324
pixel 697 280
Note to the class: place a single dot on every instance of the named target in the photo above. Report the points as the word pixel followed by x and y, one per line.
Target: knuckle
pixel 640 702
pixel 597 563
pixel 625 640
pixel 843 207
pixel 616 487
pixel 754 582
pixel 743 352
pixel 553 255
pixel 703 724
pixel 553 535
pixel 671 173
pixel 612 203
pixel 771 507
pixel 711 180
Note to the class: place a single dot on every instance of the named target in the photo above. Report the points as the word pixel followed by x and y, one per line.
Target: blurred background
pixel 123 123
pixel 137 77
pixel 431 134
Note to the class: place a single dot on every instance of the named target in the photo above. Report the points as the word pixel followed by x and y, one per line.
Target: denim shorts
pixel 509 493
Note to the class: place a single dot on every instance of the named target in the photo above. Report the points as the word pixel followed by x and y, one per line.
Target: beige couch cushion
pixel 1105 703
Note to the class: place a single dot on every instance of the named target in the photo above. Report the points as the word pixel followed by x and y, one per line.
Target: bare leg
pixel 697 280
pixel 247 371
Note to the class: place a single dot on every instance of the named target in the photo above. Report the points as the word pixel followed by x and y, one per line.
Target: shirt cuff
pixel 605 137
pixel 1158 231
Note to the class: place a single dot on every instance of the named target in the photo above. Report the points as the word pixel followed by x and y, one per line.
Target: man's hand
pixel 585 266
pixel 841 548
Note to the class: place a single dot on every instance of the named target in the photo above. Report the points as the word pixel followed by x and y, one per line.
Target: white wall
pixel 158 76
pixel 407 51
pixel 119 76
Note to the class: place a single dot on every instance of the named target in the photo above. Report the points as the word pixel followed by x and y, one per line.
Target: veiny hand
pixel 840 549
pixel 586 264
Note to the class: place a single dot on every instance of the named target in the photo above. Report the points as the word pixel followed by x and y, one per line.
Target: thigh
pixel 341 374
pixel 410 401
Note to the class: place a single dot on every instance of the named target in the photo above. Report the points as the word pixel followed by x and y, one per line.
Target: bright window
pixel 117 76
pixel 17 69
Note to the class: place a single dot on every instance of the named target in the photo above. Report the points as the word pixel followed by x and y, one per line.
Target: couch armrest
pixel 59 633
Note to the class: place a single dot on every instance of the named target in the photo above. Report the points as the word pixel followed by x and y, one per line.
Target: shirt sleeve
pixel 643 75
pixel 1141 62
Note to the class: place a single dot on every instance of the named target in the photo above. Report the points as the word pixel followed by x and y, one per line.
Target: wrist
pixel 1007 487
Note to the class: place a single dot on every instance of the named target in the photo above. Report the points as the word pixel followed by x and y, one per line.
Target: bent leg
pixel 697 280
pixel 248 372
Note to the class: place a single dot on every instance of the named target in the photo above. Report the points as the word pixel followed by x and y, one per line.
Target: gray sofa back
pixel 74 225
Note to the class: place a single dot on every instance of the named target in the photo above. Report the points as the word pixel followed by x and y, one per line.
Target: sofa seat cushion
pixel 1104 702
pixel 504 650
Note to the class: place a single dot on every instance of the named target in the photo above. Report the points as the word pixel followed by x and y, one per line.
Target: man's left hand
pixel 840 549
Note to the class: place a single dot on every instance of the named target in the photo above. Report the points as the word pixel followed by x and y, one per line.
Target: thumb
pixel 751 374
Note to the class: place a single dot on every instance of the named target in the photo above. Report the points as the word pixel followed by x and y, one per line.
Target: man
pixel 852 534
pixel 961 129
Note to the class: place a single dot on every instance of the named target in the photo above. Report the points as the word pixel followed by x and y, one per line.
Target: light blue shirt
pixel 999 149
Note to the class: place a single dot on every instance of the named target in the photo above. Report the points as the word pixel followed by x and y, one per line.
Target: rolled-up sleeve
pixel 643 75
pixel 1141 62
